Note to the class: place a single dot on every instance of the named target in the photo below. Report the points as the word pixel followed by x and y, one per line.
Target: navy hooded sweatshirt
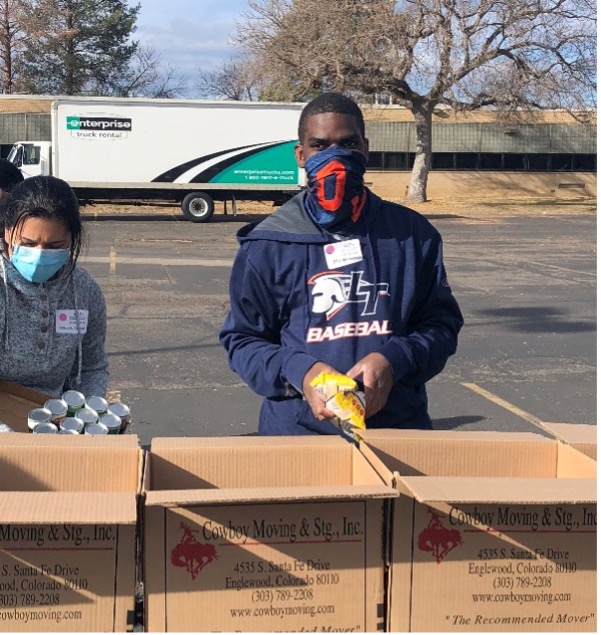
pixel 299 296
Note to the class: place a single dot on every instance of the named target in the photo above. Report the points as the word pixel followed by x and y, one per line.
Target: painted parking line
pixel 516 410
pixel 538 263
pixel 113 395
pixel 166 262
pixel 112 260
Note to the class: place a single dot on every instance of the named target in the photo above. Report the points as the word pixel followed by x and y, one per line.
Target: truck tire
pixel 198 207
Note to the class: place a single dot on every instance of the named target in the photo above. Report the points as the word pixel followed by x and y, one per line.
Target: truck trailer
pixel 190 152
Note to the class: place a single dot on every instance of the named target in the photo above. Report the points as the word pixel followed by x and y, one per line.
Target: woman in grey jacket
pixel 52 312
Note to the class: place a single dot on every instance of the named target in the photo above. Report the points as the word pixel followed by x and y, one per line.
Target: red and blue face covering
pixel 336 191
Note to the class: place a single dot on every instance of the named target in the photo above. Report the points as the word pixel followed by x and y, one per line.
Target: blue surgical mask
pixel 336 188
pixel 38 265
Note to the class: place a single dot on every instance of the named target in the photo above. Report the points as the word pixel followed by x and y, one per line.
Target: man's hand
pixel 375 372
pixel 313 397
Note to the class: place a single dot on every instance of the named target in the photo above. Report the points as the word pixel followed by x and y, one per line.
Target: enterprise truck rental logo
pixel 99 127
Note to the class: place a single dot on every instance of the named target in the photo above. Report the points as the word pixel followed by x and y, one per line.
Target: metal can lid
pixel 74 398
pixel 39 415
pixel 87 415
pixel 56 406
pixel 72 423
pixel 99 404
pixel 67 431
pixel 119 409
pixel 111 421
pixel 45 428
pixel 96 428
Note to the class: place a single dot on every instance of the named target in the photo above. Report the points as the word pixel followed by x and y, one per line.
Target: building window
pixel 514 161
pixel 375 161
pixel 397 161
pixel 443 161
pixel 491 161
pixel 585 162
pixel 561 162
pixel 467 161
pixel 538 162
pixel 487 161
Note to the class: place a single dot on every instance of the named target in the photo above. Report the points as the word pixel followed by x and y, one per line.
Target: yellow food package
pixel 341 396
pixel 328 384
pixel 349 407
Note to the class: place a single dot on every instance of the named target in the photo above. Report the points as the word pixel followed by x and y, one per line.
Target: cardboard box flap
pixel 476 454
pixel 582 432
pixel 86 508
pixel 446 435
pixel 237 464
pixel 47 467
pixel 510 490
pixel 171 498
pixel 16 401
pixel 22 392
pixel 581 436
pixel 158 444
pixel 69 441
pixel 571 463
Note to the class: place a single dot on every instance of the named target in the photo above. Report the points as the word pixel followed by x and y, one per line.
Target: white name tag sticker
pixel 346 252
pixel 66 321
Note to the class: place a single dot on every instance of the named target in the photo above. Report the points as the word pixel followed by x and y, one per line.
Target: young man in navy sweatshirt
pixel 338 280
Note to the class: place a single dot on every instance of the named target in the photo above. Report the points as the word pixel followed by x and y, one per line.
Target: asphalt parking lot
pixel 527 353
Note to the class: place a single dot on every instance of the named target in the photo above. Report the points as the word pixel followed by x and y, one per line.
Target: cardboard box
pixel 581 436
pixel 491 532
pixel 263 534
pixel 67 532
pixel 16 401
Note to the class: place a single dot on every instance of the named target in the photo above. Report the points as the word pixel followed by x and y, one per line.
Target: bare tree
pixel 12 38
pixel 234 79
pixel 464 54
pixel 146 76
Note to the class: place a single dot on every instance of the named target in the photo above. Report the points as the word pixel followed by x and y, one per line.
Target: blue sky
pixel 189 33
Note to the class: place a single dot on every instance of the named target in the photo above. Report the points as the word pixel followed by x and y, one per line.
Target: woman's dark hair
pixel 10 175
pixel 44 197
pixel 330 102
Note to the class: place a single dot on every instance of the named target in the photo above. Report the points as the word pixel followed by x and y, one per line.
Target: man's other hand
pixel 376 374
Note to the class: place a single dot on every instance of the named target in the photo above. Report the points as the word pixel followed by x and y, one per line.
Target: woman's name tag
pixel 66 321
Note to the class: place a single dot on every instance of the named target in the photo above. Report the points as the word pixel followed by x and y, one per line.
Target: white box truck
pixel 188 151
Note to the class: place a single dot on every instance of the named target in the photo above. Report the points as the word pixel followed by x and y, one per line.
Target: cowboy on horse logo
pixel 190 553
pixel 438 539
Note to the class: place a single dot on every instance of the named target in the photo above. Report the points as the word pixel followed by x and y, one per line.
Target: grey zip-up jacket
pixel 43 345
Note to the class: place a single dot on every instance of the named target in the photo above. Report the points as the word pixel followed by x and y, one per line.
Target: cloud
pixel 189 34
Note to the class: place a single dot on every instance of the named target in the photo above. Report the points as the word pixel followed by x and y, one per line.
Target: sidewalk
pixel 518 206
pixel 470 208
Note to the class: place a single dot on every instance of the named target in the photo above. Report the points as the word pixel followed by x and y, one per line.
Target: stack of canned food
pixel 74 413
